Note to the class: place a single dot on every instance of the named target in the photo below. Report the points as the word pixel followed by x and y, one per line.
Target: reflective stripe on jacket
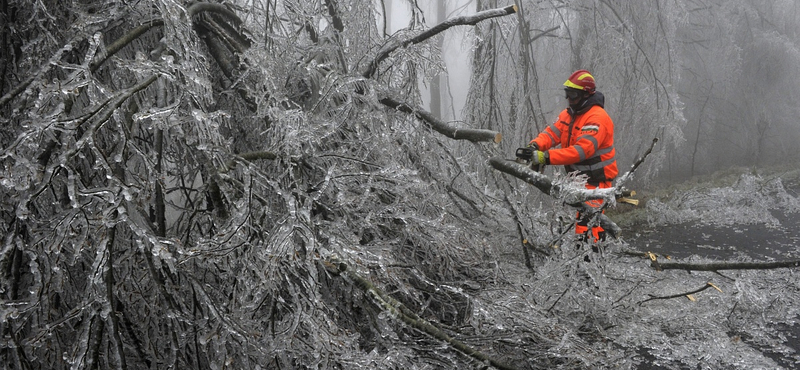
pixel 586 139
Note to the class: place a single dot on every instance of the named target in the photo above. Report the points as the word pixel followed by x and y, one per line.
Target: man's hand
pixel 540 157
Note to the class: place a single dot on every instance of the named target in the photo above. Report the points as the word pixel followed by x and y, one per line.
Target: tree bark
pixel 717 266
pixel 474 135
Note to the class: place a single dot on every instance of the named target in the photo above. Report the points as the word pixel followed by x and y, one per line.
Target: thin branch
pixel 249 157
pixel 252 156
pixel 455 21
pixel 628 174
pixel 543 33
pixel 679 295
pixel 557 300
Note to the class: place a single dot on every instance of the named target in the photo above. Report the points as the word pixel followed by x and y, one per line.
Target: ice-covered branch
pixel 201 7
pixel 716 266
pixel 474 135
pixel 572 196
pixel 679 295
pixel 119 43
pixel 636 165
pixel 470 20
pixel 400 311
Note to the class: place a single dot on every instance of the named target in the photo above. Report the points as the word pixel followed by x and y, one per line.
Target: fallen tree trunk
pixel 717 266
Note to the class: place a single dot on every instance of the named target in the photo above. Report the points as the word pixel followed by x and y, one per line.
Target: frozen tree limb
pixel 474 135
pixel 679 295
pixel 22 86
pixel 570 195
pixel 114 331
pixel 401 312
pixel 573 197
pixel 119 43
pixel 470 20
pixel 198 8
pixel 628 174
pixel 222 43
pixel 252 156
pixel 716 266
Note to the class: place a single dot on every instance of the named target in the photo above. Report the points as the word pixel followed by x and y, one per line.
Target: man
pixel 586 135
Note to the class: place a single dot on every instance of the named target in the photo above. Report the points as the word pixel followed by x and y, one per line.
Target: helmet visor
pixel 573 94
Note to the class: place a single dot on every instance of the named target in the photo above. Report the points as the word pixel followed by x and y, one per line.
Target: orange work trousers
pixel 582 223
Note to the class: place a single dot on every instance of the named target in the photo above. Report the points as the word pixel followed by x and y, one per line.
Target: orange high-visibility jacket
pixel 587 141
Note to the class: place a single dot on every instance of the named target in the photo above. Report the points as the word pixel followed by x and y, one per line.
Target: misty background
pixel 711 79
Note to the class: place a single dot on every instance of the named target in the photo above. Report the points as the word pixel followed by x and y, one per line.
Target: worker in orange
pixel 585 133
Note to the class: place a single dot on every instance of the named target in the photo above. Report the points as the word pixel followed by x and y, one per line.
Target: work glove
pixel 540 157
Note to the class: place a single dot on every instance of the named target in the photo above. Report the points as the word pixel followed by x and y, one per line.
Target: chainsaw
pixel 525 155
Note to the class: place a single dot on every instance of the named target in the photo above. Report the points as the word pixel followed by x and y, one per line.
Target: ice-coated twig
pixel 679 295
pixel 622 179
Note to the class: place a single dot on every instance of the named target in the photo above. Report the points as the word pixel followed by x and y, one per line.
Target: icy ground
pixel 603 314
pixel 751 322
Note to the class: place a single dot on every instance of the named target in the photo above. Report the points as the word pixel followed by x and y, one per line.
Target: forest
pixel 331 184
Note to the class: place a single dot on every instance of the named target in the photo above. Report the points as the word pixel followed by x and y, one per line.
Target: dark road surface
pixel 757 242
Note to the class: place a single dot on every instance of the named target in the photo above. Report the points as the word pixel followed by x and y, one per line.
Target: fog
pixel 713 79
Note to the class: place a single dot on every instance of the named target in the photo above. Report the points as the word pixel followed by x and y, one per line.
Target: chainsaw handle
pixel 524 153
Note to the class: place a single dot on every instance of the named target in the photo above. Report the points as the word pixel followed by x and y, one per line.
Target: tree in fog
pixel 738 59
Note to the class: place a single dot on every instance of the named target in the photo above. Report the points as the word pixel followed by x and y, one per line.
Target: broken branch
pixel 628 174
pixel 716 266
pixel 573 197
pixel 470 20
pixel 687 294
pixel 474 135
